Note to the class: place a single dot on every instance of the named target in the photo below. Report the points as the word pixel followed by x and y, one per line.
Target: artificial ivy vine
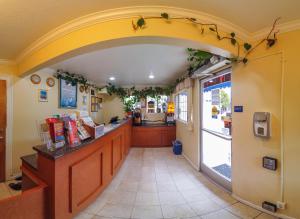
pixel 153 92
pixel 270 39
pixel 73 79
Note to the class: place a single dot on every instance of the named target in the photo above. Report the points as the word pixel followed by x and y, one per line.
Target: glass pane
pixel 217 154
pixel 217 105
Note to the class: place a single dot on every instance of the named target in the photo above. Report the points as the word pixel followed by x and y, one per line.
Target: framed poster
pixel 67 94
pixel 94 104
pixel 43 95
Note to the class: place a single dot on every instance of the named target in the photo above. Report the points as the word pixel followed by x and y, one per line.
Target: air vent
pixel 214 64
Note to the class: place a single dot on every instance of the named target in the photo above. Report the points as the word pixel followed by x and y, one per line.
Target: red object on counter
pixel 73 137
pixel 56 128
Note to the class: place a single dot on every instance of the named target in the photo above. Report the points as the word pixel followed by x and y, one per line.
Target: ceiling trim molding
pixel 128 12
pixel 283 28
pixel 7 62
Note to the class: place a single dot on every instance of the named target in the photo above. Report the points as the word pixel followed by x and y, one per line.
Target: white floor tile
pixel 177 211
pixel 243 211
pixel 147 212
pixel 171 198
pixel 111 210
pixel 145 198
pixel 204 207
pixel 222 214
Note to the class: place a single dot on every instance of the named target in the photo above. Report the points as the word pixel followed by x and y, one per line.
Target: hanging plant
pixel 153 92
pixel 270 39
pixel 73 79
pixel 197 58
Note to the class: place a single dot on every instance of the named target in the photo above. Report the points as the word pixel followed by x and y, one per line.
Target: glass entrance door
pixel 216 128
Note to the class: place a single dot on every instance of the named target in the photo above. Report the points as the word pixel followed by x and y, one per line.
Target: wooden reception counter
pixel 75 176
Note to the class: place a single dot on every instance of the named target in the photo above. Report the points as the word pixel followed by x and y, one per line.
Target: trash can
pixel 177 147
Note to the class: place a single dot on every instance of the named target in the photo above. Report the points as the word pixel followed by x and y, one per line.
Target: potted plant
pixel 129 105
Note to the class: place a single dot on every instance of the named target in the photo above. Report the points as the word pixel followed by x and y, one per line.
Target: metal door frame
pixel 214 175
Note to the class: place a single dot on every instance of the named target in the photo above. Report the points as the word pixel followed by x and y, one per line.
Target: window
pixel 157 105
pixel 181 106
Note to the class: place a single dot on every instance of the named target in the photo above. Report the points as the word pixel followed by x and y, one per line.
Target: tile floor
pixel 154 184
pixel 6 191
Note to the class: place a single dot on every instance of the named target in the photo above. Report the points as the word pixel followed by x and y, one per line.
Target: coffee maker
pixel 137 117
pixel 170 113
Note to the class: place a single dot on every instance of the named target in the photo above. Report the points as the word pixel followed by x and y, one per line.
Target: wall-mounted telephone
pixel 261 124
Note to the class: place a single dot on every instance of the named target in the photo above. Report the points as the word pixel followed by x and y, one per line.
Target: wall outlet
pixel 280 205
pixel 269 206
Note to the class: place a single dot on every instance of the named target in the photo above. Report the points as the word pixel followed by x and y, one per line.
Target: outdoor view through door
pixel 216 127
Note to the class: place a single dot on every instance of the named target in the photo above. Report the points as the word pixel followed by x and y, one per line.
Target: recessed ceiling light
pixel 112 78
pixel 151 76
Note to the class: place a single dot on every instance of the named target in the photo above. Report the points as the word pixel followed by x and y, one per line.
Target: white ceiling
pixel 23 22
pixel 130 64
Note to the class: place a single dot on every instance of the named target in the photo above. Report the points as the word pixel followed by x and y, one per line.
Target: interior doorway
pixel 216 127
pixel 3 113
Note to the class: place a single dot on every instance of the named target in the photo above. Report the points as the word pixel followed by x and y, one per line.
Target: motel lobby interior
pixel 126 109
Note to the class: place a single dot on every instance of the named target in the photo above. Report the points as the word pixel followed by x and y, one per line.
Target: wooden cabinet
pixel 75 179
pixel 127 136
pixel 145 136
pixel 117 151
pixel 82 185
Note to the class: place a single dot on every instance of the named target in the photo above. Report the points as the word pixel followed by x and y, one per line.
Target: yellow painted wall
pixel 290 46
pixel 29 113
pixel 258 86
pixel 85 39
pixel 188 133
pixel 112 106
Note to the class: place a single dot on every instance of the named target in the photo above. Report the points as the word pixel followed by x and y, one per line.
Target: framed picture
pixel 43 95
pixel 94 104
pixel 67 94
pixel 92 92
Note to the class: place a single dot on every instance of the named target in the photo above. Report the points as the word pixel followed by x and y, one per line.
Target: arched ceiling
pixel 134 64
pixel 23 22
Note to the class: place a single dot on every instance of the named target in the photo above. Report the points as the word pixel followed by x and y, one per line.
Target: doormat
pixel 224 169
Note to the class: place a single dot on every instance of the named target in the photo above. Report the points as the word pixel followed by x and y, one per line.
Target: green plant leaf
pixel 247 46
pixel 271 42
pixel 141 22
pixel 232 34
pixel 233 41
pixel 233 59
pixel 165 15
pixel 245 60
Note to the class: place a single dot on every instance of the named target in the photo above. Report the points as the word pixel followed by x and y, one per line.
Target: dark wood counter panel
pixel 153 136
pixel 76 176
pixel 30 160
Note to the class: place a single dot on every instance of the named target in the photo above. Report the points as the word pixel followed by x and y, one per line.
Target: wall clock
pixel 35 79
pixel 50 82
pixel 81 88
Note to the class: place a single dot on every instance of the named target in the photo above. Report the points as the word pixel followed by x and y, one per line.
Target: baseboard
pixel 192 164
pixel 260 208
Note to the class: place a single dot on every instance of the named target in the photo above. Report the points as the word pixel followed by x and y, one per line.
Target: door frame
pixel 9 125
pixel 216 177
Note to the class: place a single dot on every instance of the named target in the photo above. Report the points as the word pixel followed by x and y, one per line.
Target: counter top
pixel 66 149
pixel 31 160
pixel 154 124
